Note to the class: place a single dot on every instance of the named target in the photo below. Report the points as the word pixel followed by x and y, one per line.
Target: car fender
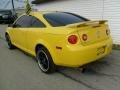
pixel 47 46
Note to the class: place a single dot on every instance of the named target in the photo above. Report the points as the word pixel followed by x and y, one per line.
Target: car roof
pixel 44 12
pixel 40 13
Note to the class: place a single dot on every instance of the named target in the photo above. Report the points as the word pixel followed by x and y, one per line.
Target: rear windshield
pixel 63 19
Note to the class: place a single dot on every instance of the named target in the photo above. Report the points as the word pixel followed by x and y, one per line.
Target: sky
pixel 6 4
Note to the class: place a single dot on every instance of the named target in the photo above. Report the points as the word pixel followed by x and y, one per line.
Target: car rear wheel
pixel 10 45
pixel 45 61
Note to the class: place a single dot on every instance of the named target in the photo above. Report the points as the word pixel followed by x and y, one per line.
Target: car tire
pixel 45 61
pixel 10 45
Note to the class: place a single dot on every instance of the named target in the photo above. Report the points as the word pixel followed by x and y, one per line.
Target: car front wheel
pixel 45 61
pixel 10 45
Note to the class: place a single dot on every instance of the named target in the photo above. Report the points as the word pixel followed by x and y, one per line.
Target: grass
pixel 116 46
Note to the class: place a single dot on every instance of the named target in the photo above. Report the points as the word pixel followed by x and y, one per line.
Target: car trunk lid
pixel 91 31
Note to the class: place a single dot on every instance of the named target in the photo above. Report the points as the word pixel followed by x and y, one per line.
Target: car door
pixel 35 32
pixel 19 31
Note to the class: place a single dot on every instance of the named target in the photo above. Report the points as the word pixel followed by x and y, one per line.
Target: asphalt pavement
pixel 19 71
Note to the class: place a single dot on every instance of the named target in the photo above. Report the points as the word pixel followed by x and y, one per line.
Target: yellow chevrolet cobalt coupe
pixel 60 38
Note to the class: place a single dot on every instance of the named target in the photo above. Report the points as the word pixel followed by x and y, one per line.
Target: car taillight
pixel 107 32
pixel 72 39
pixel 84 37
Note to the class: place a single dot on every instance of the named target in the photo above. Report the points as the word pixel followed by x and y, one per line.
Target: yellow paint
pixel 83 52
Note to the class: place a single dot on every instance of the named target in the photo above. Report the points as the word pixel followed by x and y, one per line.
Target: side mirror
pixel 13 25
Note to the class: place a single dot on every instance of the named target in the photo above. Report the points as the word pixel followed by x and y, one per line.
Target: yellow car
pixel 60 38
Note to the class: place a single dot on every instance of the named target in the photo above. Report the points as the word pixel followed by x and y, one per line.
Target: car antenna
pixel 28 7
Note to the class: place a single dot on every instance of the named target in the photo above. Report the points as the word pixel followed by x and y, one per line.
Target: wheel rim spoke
pixel 43 61
pixel 8 40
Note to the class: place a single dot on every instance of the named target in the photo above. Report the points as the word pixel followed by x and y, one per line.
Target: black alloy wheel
pixel 10 45
pixel 45 61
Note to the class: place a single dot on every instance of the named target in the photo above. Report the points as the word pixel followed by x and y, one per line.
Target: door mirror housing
pixel 13 25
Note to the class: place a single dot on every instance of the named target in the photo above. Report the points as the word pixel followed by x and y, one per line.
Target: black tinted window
pixel 24 21
pixel 29 21
pixel 36 23
pixel 62 19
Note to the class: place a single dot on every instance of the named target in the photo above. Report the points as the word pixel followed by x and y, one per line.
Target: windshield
pixel 63 19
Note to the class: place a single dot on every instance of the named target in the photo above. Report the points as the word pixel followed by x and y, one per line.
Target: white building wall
pixel 112 13
pixel 88 8
pixel 92 9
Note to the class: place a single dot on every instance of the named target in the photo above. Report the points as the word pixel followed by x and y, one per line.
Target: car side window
pixel 23 22
pixel 29 22
pixel 35 23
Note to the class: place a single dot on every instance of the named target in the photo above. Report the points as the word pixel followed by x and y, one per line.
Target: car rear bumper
pixel 78 56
